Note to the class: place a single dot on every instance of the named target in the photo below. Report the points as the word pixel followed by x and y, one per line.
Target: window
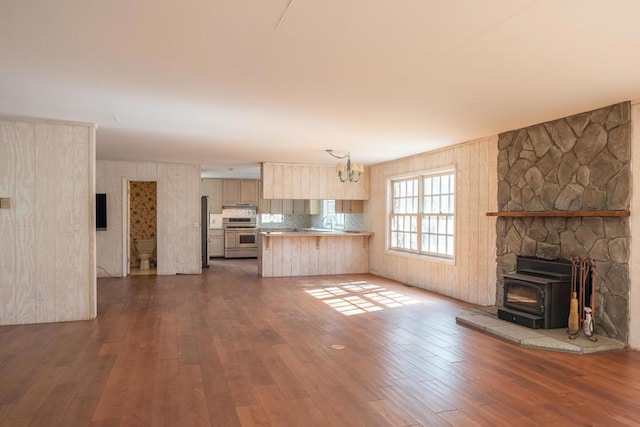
pixel 271 218
pixel 330 215
pixel 423 214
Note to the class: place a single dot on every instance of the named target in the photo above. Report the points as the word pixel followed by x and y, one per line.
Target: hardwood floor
pixel 228 348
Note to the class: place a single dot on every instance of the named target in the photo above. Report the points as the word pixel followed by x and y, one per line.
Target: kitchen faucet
pixel 330 220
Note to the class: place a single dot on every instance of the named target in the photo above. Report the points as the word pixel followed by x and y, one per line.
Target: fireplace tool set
pixel 581 315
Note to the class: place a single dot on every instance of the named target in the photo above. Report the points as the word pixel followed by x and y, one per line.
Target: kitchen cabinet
pixel 240 192
pixel 249 191
pixel 216 243
pixel 311 207
pixel 212 187
pixel 289 206
pixel 349 206
pixel 270 206
pixel 309 182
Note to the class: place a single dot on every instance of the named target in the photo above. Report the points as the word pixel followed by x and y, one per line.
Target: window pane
pixel 436 185
pixel 442 225
pixel 427 204
pixel 442 245
pixel 444 204
pixel 450 246
pixel 427 186
pixel 450 225
pixel 452 184
pixel 435 207
pixel 433 224
pixel 444 184
pixel 452 202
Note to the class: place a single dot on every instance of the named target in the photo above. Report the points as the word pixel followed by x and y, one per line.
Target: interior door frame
pixel 126 241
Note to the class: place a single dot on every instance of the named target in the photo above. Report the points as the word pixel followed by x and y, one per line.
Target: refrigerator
pixel 204 226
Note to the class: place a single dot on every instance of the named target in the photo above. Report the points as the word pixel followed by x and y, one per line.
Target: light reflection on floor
pixel 360 297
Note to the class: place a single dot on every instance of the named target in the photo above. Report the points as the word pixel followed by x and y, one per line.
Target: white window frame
pixel 269 218
pixel 329 210
pixel 419 217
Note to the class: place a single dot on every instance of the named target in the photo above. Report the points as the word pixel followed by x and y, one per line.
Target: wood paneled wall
pixel 178 199
pixel 47 237
pixel 295 181
pixel 312 256
pixel 634 225
pixel 472 277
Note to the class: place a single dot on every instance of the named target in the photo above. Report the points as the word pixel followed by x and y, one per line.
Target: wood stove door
pixel 523 296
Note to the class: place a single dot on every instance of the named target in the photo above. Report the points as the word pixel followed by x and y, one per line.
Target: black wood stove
pixel 537 294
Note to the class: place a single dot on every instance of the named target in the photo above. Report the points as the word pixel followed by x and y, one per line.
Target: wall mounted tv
pixel 101 211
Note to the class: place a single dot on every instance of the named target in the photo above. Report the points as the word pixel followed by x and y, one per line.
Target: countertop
pixel 315 232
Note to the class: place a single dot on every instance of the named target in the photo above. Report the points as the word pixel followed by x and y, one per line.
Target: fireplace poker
pixel 586 323
pixel 583 289
pixel 573 321
pixel 589 323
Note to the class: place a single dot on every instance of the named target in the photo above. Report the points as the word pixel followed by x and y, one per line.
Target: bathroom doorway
pixel 143 227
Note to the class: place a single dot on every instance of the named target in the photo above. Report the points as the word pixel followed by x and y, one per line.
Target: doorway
pixel 142 227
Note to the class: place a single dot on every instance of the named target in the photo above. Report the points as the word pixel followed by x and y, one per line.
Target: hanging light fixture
pixel 347 172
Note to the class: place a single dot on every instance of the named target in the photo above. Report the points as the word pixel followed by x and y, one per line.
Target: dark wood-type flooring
pixel 228 348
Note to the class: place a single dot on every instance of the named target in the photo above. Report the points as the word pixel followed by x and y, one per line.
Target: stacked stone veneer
pixel 580 162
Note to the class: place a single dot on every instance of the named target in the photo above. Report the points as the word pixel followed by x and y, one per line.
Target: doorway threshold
pixel 485 319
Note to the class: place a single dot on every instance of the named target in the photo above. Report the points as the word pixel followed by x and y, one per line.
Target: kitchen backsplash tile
pixel 353 222
pixel 290 221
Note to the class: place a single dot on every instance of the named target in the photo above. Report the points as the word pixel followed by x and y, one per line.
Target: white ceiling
pixel 214 82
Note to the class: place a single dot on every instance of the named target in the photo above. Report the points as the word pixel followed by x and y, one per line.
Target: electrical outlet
pixel 196 225
pixel 39 295
pixel 5 203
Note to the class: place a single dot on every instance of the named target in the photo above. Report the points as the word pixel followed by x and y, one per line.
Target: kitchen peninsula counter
pixel 310 252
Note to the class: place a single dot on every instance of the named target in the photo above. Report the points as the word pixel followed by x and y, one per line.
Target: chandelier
pixel 347 172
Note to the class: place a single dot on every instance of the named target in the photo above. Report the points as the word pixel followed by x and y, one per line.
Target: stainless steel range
pixel 240 233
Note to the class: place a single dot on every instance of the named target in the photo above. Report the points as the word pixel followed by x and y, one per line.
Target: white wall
pixel 634 224
pixel 472 277
pixel 178 204
pixel 47 243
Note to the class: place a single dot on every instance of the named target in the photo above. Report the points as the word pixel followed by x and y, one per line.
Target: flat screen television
pixel 101 211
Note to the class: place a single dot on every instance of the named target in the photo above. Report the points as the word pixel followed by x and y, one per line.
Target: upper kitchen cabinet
pixel 240 192
pixel 249 191
pixel 212 187
pixel 349 206
pixel 289 206
pixel 294 181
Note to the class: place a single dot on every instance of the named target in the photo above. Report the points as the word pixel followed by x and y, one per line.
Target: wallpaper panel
pixel 142 215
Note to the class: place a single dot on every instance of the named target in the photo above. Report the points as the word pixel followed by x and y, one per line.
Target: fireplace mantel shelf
pixel 563 214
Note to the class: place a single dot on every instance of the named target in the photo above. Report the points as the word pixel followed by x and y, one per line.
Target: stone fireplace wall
pixel 581 162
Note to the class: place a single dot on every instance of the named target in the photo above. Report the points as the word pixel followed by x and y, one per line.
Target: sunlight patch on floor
pixel 360 297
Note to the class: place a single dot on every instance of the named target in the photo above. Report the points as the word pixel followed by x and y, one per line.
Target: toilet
pixel 145 248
